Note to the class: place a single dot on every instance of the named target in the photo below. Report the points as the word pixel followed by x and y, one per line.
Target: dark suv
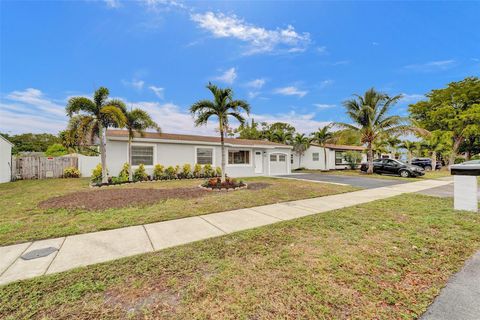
pixel 426 163
pixel 391 166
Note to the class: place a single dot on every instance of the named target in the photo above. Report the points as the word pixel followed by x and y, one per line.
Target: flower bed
pixel 216 184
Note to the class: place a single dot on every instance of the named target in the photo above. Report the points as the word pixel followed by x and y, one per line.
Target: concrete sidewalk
pixel 90 248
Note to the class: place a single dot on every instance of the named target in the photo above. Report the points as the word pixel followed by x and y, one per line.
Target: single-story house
pixel 243 157
pixel 5 160
pixel 314 157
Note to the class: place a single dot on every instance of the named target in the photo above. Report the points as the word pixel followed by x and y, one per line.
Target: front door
pixel 258 162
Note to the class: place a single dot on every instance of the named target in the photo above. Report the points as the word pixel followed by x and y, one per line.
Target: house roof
pixel 194 138
pixel 6 140
pixel 341 147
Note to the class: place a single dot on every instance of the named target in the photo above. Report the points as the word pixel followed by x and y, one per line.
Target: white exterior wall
pixel 308 162
pixel 86 164
pixel 5 161
pixel 172 154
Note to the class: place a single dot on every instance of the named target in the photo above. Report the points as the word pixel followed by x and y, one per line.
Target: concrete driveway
pixel 361 182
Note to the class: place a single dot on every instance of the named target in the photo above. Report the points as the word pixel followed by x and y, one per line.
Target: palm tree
pixel 437 143
pixel 222 107
pixel 369 116
pixel 322 137
pixel 300 144
pixel 94 117
pixel 393 143
pixel 138 121
pixel 281 136
pixel 410 146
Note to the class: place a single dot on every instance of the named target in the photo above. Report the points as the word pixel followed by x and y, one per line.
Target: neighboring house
pixel 5 160
pixel 243 157
pixel 314 157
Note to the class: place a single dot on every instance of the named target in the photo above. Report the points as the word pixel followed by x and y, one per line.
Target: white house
pixel 243 157
pixel 5 160
pixel 330 157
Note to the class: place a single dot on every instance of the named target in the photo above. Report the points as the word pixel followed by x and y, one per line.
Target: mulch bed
pixel 118 198
pixel 258 185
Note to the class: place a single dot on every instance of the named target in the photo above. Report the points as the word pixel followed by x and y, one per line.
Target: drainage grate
pixel 39 253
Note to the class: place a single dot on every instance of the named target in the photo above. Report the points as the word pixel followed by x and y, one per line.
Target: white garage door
pixel 278 163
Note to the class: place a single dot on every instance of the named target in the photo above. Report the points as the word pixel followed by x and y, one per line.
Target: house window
pixel 291 158
pixel 238 157
pixel 315 156
pixel 273 158
pixel 281 158
pixel 204 156
pixel 142 155
pixel 338 157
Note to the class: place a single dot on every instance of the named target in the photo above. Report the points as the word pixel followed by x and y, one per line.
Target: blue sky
pixel 292 61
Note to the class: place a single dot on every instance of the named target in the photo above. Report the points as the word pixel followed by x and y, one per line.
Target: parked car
pixel 392 166
pixel 426 163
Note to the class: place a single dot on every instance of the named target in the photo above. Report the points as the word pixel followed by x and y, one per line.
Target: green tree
pixel 300 144
pixel 410 147
pixel 56 150
pixel 322 137
pixel 437 143
pixel 280 132
pixel 137 122
pixel 369 114
pixel 223 106
pixel 393 143
pixel 93 117
pixel 31 142
pixel 347 137
pixel 454 109
pixel 250 131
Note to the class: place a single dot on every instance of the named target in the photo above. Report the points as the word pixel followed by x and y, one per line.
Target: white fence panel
pixel 86 164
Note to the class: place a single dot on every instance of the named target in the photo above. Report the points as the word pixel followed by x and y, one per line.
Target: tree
pixel 454 109
pixel 370 119
pixel 300 144
pixel 94 117
pixel 250 131
pixel 31 142
pixel 392 143
pixel 56 150
pixel 410 147
pixel 137 121
pixel 322 137
pixel 437 143
pixel 347 137
pixel 223 106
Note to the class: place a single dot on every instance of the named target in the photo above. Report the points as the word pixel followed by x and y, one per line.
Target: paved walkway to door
pixel 90 248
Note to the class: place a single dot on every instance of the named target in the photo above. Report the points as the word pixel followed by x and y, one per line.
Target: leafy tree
pixel 223 106
pixel 250 131
pixel 454 109
pixel 93 117
pixel 138 121
pixel 322 137
pixel 347 137
pixel 300 144
pixel 56 150
pixel 410 147
pixel 369 116
pixel 31 142
pixel 393 143
pixel 437 143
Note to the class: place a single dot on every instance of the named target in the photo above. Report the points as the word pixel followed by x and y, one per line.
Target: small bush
pixel 124 173
pixel 208 171
pixel 197 170
pixel 353 159
pixel 459 160
pixel 158 172
pixel 71 172
pixel 187 171
pixel 170 172
pixel 218 171
pixel 56 150
pixel 475 157
pixel 216 183
pixel 140 174
pixel 97 174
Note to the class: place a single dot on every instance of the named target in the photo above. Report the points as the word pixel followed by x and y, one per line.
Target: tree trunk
pixel 325 156
pixel 434 160
pixel 370 158
pixel 222 143
pixel 300 160
pixel 103 153
pixel 456 145
pixel 129 160
pixel 409 156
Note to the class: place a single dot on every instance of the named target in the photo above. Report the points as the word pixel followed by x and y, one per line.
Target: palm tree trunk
pixel 409 156
pixel 129 160
pixel 103 153
pixel 325 156
pixel 434 160
pixel 222 143
pixel 370 158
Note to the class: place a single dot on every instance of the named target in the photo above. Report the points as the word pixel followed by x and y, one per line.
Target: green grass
pixel 428 175
pixel 383 260
pixel 21 220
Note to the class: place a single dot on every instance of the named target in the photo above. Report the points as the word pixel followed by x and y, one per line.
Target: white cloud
pixel 304 123
pixel 256 84
pixel 136 84
pixel 326 83
pixel 258 39
pixel 411 98
pixel 253 94
pixel 291 91
pixel 158 91
pixel 35 98
pixel 112 3
pixel 228 76
pixel 324 106
pixel 432 65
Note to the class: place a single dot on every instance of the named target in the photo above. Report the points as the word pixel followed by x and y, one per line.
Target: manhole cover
pixel 39 253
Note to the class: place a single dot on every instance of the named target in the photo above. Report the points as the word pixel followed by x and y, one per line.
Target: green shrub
pixel 71 172
pixel 208 170
pixel 140 174
pixel 476 157
pixel 353 159
pixel 170 172
pixel 187 170
pixel 124 173
pixel 56 150
pixel 97 174
pixel 459 160
pixel 218 171
pixel 158 172
pixel 197 170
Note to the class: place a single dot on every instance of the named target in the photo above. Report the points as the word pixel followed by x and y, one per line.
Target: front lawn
pixel 386 259
pixel 428 174
pixel 38 209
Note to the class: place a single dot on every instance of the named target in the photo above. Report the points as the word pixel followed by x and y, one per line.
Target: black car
pixel 391 166
pixel 425 163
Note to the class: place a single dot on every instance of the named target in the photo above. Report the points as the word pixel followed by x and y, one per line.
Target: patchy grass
pixel 382 260
pixel 22 219
pixel 428 174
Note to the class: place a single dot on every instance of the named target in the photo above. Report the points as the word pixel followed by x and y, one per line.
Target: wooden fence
pixel 42 167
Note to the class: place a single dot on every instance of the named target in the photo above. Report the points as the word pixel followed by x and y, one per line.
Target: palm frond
pixel 80 104
pixel 111 116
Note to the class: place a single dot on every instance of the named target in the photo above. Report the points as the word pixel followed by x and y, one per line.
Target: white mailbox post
pixel 465 186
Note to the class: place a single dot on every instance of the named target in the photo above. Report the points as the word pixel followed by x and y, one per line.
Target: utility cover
pixel 39 253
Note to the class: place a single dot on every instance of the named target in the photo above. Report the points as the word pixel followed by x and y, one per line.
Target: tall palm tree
pixel 93 117
pixel 393 143
pixel 437 143
pixel 410 146
pixel 137 122
pixel 322 137
pixel 369 116
pixel 300 144
pixel 281 136
pixel 223 106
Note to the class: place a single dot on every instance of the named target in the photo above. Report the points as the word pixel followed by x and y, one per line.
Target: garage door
pixel 278 163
